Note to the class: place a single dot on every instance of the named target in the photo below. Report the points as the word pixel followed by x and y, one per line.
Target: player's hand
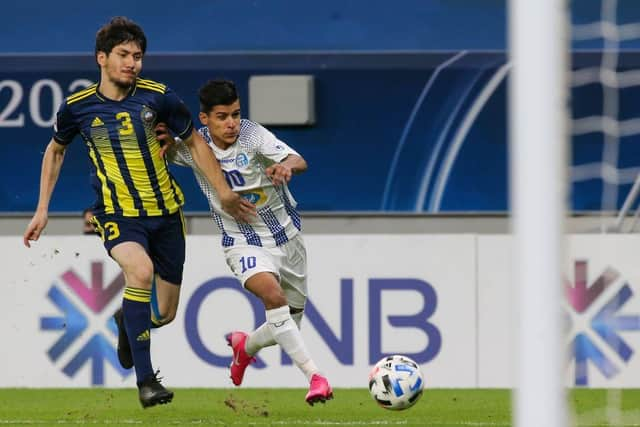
pixel 279 173
pixel 164 137
pixel 35 227
pixel 238 207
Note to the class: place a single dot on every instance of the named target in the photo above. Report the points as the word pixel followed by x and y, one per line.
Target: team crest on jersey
pixel 148 116
pixel 242 160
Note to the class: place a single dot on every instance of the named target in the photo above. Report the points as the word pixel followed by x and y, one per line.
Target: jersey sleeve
pixel 273 148
pixel 64 128
pixel 180 154
pixel 176 115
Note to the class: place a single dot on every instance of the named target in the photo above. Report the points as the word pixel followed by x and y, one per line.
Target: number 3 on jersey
pixel 247 263
pixel 109 230
pixel 125 121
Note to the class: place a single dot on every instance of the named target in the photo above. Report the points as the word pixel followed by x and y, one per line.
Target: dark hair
pixel 119 30
pixel 217 92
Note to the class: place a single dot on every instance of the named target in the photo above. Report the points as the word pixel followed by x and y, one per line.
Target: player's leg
pixel 138 272
pixel 126 241
pixel 262 337
pixel 293 275
pixel 246 262
pixel 293 279
pixel 286 333
pixel 164 305
pixel 165 297
pixel 259 278
pixel 167 248
pixel 246 346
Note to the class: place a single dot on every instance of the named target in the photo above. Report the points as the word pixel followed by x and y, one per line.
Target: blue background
pixel 364 104
pixel 394 85
pixel 228 25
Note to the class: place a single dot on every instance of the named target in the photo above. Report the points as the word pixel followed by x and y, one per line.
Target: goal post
pixel 538 135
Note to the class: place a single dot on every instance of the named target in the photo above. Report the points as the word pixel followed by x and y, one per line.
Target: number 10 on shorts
pixel 247 263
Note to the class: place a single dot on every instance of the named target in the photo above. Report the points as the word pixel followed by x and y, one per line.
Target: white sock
pixel 262 336
pixel 258 339
pixel 287 335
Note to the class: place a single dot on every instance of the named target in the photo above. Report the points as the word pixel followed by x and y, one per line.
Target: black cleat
pixel 124 350
pixel 151 392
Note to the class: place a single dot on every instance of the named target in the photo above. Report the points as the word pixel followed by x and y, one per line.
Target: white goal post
pixel 538 117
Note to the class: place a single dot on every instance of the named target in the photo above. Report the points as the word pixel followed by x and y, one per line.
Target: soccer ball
pixel 395 382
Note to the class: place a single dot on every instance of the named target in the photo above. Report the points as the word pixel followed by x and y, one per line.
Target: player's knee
pixel 274 298
pixel 140 276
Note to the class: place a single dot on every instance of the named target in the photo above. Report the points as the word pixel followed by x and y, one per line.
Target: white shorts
pixel 287 261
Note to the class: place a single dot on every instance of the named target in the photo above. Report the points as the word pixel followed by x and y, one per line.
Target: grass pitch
pixel 286 407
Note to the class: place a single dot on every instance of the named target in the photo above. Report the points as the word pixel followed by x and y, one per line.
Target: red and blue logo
pixel 603 328
pixel 74 323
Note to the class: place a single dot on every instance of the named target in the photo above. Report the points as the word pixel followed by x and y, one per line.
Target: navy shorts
pixel 161 236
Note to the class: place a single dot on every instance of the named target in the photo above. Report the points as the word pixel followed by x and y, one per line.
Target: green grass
pixel 286 407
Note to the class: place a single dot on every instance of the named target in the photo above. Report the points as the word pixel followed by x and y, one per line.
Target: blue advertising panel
pixel 394 132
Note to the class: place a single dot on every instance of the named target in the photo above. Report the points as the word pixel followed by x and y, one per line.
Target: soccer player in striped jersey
pixel 268 254
pixel 138 210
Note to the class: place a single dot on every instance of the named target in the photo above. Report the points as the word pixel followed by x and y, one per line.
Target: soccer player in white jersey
pixel 267 254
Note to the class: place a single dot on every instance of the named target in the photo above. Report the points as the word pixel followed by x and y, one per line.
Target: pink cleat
pixel 319 390
pixel 236 340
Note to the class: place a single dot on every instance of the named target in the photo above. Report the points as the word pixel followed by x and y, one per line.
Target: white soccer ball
pixel 395 382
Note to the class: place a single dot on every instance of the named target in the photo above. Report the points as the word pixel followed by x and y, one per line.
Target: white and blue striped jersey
pixel 243 165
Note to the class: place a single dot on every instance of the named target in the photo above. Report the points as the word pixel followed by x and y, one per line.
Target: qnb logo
pixel 75 324
pixel 597 324
pixel 341 338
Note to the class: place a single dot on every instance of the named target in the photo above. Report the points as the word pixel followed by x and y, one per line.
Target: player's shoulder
pixel 204 132
pixel 151 86
pixel 251 134
pixel 80 95
pixel 252 131
pixel 250 127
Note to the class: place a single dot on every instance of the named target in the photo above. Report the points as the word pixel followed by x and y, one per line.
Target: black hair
pixel 217 92
pixel 117 31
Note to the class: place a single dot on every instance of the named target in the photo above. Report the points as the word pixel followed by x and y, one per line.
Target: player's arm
pixel 51 165
pixel 281 173
pixel 206 162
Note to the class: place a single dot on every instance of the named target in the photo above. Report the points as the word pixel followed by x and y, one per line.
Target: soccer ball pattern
pixel 395 382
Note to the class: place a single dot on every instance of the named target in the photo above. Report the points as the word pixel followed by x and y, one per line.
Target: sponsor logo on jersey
pixel 257 196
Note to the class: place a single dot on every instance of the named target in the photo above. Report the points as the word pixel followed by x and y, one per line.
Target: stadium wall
pixel 444 300
pixel 260 25
pixel 395 132
pixel 267 25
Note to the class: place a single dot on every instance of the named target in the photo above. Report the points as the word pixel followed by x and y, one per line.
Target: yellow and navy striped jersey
pixel 130 178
